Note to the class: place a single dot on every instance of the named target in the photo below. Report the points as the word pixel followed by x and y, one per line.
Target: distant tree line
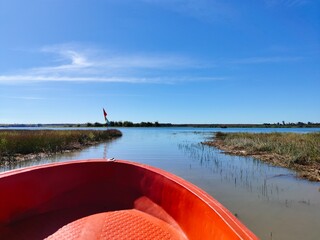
pixel 128 124
pixel 290 124
pixel 282 124
pixel 157 124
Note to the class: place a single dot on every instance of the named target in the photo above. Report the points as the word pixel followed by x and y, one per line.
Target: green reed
pixel 295 147
pixel 35 141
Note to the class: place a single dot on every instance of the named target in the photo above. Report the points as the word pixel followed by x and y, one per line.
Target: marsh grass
pixel 14 142
pixel 295 148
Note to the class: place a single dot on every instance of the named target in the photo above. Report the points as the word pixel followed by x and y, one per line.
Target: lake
pixel 269 200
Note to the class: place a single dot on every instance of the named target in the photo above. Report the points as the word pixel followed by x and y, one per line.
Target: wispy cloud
pixel 77 57
pixel 38 78
pixel 73 64
pixel 22 97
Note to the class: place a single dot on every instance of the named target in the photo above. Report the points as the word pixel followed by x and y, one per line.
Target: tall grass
pixel 296 148
pixel 26 141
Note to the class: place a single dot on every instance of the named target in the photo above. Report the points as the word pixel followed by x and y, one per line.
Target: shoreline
pixel 157 124
pixel 56 142
pixel 309 171
pixel 16 158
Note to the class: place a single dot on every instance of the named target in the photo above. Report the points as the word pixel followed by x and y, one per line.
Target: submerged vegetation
pixel 14 143
pixel 300 152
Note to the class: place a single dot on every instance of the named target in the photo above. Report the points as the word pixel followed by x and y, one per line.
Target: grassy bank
pixel 300 152
pixel 14 143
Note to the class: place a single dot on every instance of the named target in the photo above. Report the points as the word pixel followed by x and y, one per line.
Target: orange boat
pixel 100 199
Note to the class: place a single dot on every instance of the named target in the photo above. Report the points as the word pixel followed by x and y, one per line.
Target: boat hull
pixel 80 196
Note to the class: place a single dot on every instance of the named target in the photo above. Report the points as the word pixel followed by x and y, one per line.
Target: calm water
pixel 269 200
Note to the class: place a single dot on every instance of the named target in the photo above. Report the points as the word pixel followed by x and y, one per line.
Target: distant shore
pixel 157 124
pixel 21 145
pixel 300 152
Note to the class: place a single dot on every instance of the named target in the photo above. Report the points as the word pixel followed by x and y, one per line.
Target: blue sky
pixel 178 61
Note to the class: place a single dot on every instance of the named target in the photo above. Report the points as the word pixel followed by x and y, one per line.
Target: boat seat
pixel 122 224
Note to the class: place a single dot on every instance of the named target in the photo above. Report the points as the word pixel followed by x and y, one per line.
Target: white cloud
pixel 37 78
pixel 91 65
pixel 23 98
pixel 165 79
pixel 86 65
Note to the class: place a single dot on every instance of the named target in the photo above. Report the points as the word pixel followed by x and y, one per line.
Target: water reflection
pixel 38 161
pixel 245 173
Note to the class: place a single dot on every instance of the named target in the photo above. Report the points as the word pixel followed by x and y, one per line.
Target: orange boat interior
pixel 100 199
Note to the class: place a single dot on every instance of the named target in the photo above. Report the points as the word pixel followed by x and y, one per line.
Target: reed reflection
pixel 264 181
